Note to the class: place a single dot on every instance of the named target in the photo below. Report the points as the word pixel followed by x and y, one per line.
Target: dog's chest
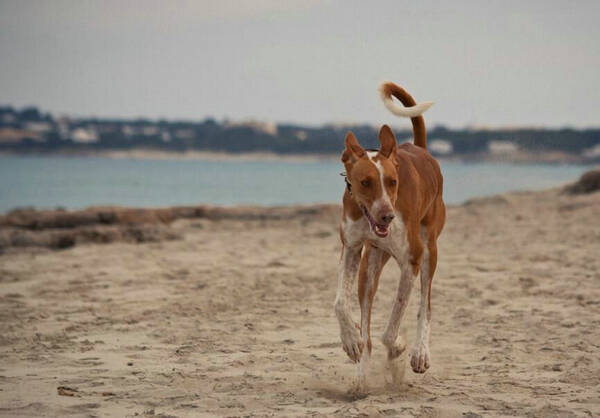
pixel 396 243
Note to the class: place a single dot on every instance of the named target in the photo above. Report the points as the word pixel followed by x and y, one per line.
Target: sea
pixel 79 182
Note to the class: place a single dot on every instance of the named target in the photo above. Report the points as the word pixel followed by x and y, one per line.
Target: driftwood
pixel 60 229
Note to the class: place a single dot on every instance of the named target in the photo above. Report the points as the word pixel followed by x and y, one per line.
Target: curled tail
pixel 412 109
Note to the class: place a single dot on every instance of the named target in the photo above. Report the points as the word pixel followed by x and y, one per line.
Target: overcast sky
pixel 494 63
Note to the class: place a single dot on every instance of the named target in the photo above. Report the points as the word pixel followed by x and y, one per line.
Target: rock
pixel 67 391
pixel 589 182
pixel 63 241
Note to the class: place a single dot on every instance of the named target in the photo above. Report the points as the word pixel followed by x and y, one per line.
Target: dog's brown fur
pixel 412 180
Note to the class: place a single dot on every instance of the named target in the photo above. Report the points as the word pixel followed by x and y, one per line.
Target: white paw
pixel 419 359
pixel 397 367
pixel 352 342
pixel 396 348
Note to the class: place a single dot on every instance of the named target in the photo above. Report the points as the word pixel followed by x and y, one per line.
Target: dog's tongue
pixel 381 229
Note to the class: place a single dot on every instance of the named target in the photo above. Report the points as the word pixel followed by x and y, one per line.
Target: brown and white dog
pixel 392 207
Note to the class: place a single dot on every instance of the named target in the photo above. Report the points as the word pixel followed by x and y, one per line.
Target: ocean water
pixel 78 182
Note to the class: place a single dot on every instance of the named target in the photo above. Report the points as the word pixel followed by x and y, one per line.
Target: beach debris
pixel 589 182
pixel 61 229
pixel 67 391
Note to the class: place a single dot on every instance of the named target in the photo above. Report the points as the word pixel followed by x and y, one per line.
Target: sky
pixel 484 63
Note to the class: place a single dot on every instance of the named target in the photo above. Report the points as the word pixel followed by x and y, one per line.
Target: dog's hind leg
pixel 420 357
pixel 372 263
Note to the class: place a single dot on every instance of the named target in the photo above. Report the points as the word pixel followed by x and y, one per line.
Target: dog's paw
pixel 358 390
pixel 419 359
pixel 352 342
pixel 396 348
pixel 397 368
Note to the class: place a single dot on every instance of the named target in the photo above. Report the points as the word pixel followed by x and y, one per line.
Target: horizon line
pixel 476 126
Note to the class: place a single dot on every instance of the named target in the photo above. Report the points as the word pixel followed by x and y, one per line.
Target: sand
pixel 235 318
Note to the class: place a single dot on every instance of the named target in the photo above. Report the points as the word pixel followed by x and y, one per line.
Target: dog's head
pixel 374 179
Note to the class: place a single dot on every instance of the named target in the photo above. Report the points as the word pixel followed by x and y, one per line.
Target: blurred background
pixel 169 103
pixel 196 293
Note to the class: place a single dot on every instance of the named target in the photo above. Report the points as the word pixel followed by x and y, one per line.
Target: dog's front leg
pixel 372 263
pixel 391 337
pixel 349 330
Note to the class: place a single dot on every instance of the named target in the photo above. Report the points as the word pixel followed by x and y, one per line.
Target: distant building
pixel 150 130
pixel 64 128
pixel 593 152
pixel 107 128
pixel 15 136
pixel 84 135
pixel 269 128
pixel 502 147
pixel 185 134
pixel 440 147
pixel 301 135
pixel 129 130
pixel 165 136
pixel 8 118
pixel 41 127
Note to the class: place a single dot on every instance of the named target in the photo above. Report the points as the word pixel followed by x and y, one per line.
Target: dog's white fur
pixel 407 112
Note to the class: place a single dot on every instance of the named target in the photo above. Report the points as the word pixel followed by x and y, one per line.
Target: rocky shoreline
pixel 59 229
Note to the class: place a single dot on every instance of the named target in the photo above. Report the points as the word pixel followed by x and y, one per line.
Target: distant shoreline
pixel 519 157
pixel 149 154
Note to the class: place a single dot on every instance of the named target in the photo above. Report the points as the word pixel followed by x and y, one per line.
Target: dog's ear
pixel 388 142
pixel 353 150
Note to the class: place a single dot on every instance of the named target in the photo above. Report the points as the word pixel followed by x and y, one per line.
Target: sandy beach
pixel 233 316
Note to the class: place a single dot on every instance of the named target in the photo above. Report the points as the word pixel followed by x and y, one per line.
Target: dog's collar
pixel 345 176
pixel 348 185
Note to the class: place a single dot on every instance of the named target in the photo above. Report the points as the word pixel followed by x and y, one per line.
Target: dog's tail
pixel 412 109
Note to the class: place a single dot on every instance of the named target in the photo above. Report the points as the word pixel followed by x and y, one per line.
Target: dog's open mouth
pixel 381 230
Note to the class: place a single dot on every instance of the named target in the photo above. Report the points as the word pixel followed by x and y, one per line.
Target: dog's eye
pixel 393 182
pixel 366 182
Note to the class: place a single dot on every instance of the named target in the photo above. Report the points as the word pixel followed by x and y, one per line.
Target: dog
pixel 392 207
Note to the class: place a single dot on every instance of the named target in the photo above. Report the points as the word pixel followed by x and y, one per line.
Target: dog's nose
pixel 388 218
